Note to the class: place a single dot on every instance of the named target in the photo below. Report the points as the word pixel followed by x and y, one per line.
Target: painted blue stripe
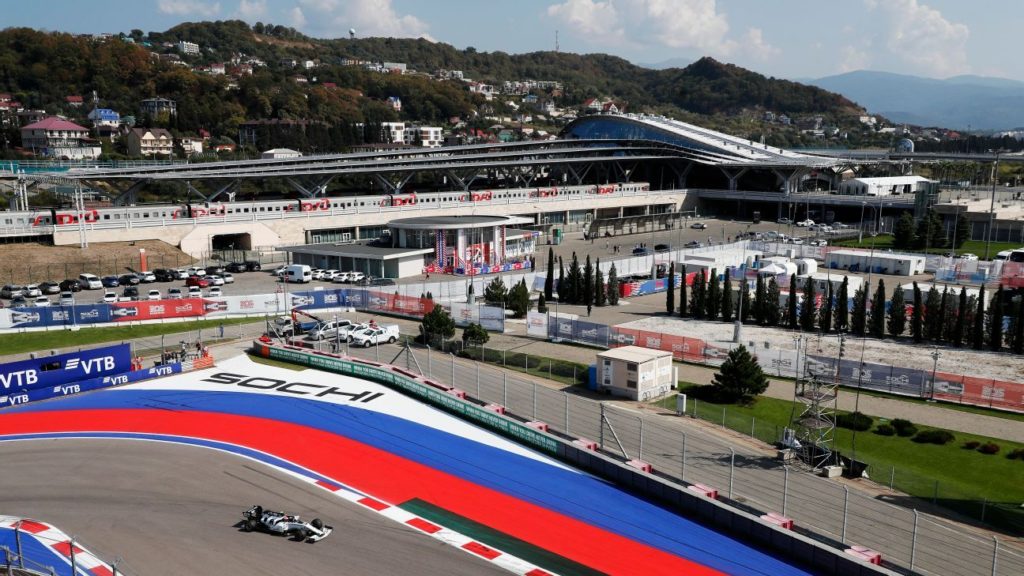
pixel 567 492
pixel 35 552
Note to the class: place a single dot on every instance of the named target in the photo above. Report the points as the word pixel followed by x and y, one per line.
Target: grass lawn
pixel 563 371
pixel 884 242
pixel 965 477
pixel 32 341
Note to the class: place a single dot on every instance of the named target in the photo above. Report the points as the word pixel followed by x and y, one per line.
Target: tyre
pixel 250 524
pixel 348 338
pixel 317 523
pixel 366 344
pixel 391 340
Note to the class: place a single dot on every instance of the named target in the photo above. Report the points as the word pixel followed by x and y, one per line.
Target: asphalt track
pixel 169 509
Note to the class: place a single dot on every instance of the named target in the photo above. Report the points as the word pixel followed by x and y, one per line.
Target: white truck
pixel 298 273
pixel 330 329
pixel 376 335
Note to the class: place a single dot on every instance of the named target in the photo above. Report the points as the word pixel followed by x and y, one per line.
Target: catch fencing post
pixel 477 379
pixel 723 417
pixel 995 554
pixel 17 542
pixel 785 488
pixel 534 399
pixel 566 394
pixel 913 543
pixel 732 468
pixel 453 368
pixel 846 511
pixel 74 567
pixel 892 476
pixel 641 450
pixel 430 369
pixel 504 391
pixel 753 422
pixel 600 425
pixel 682 472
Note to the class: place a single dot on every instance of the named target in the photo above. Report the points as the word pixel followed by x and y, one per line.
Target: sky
pixel 795 39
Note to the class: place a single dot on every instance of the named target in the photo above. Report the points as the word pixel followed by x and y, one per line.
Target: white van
pixel 298 273
pixel 89 282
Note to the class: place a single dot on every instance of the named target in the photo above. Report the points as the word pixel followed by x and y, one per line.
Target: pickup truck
pixel 378 335
pixel 285 326
pixel 330 329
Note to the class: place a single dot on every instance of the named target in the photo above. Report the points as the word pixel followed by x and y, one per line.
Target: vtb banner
pixel 50 371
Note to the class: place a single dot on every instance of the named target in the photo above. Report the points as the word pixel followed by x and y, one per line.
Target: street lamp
pixel 860 231
pixel 797 340
pixel 992 206
pixel 935 356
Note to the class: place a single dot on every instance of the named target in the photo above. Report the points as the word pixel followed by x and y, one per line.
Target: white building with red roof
pixel 58 138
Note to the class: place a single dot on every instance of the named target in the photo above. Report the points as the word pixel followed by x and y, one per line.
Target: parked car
pixel 784 220
pixel 109 297
pixel 181 274
pixel 228 278
pixel 640 251
pixel 805 223
pixel 214 292
pixel 354 276
pixel 165 275
pixel 819 242
pixel 195 291
pixel 90 282
pixel 67 299
pixel 253 266
pixel 198 281
pixel 371 281
pixel 236 267
pixel 330 275
pixel 196 271
pixel 214 280
pixel 216 269
pixel 968 256
pixel 329 329
pixel 128 280
pixel 130 292
pixel 662 247
pixel 154 295
pixel 110 282
pixel 280 270
pixel 378 335
pixel 146 276
pixel 342 278
pixel 174 293
pixel 49 287
pixel 19 301
pixel 698 226
pixel 317 273
pixel 692 244
pixel 11 290
pixel 71 285
pixel 32 290
pixel 41 301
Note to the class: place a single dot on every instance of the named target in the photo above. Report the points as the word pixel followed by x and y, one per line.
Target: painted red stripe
pixel 423 525
pixel 481 550
pixel 102 571
pixel 31 526
pixel 328 485
pixel 65 548
pixel 375 504
pixel 537 572
pixel 383 474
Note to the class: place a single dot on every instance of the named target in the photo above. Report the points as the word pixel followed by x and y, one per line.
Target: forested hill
pixel 40 69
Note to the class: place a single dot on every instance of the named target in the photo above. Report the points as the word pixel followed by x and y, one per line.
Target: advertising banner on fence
pixel 640 287
pixel 160 309
pixel 54 316
pixel 492 318
pixel 537 324
pixel 590 333
pixel 47 392
pixel 464 314
pixel 50 371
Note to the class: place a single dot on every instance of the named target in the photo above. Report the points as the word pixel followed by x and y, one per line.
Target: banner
pixel 47 392
pixel 590 333
pixel 50 371
pixel 464 314
pixel 629 288
pixel 492 318
pixel 160 309
pixel 537 324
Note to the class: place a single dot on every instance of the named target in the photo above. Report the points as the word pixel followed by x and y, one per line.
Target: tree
pixel 961 315
pixel 760 297
pixel 519 300
pixel 877 327
pixel 825 314
pixel 496 293
pixel 773 315
pixel 897 313
pixel 588 284
pixel 961 231
pixel 791 318
pixel 600 293
pixel 727 297
pixel 842 314
pixel 740 378
pixel 542 304
pixel 932 315
pixel 613 286
pixel 437 326
pixel 745 313
pixel 949 314
pixel 858 320
pixel 670 293
pixel 713 298
pixel 549 281
pixel 1017 340
pixel 474 335
pixel 683 302
pixel 978 332
pixel 808 310
pixel 903 232
pixel 697 297
pixel 573 280
pixel 916 316
pixel 561 280
pixel 995 321
pixel 929 231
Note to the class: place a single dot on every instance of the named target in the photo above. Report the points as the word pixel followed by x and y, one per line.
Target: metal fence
pixel 746 475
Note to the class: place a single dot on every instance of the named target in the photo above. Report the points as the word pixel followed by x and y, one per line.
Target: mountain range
pixel 961 102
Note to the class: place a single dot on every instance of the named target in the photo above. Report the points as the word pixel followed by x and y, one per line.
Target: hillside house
pixel 149 142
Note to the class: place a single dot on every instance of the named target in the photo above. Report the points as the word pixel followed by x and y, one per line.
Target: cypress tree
pixel 825 315
pixel 542 306
pixel 791 320
pixel 600 292
pixel 573 282
pixel 772 313
pixel 932 317
pixel 842 315
pixel 561 281
pixel 727 297
pixel 897 313
pixel 683 302
pixel 978 331
pixel 940 328
pixel 949 313
pixel 760 298
pixel 745 312
pixel 917 316
pixel 549 281
pixel 877 327
pixel 670 292
pixel 588 283
pixel 713 298
pixel 961 315
pixel 858 320
pixel 995 321
pixel 808 311
pixel 697 297
pixel 613 286
pixel 1018 327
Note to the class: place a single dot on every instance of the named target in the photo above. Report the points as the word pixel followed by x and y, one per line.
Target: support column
pixel 460 248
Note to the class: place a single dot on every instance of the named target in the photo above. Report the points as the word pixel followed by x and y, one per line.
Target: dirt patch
pixel 28 263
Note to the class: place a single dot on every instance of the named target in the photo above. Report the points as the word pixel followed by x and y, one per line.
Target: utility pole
pixel 992 206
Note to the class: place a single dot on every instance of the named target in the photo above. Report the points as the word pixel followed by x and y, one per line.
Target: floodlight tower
pixel 816 424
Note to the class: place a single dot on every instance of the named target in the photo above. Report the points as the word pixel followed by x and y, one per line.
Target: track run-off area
pixel 159 473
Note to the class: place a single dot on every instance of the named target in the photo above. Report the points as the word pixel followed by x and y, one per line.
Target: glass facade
pixel 615 128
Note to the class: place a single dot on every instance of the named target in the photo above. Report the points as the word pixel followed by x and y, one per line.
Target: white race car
pixel 256 518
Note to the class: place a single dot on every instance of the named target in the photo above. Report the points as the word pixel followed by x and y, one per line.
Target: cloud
pixel 922 38
pixel 188 7
pixel 679 24
pixel 296 18
pixel 250 10
pixel 853 59
pixel 367 17
pixel 755 43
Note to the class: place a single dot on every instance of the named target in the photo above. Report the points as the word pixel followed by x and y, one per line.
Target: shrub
pixel 885 430
pixel 989 448
pixel 939 437
pixel 855 421
pixel 1016 453
pixel 904 427
pixel 971 445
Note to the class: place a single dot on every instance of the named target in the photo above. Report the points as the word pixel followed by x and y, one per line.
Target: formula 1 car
pixel 256 518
